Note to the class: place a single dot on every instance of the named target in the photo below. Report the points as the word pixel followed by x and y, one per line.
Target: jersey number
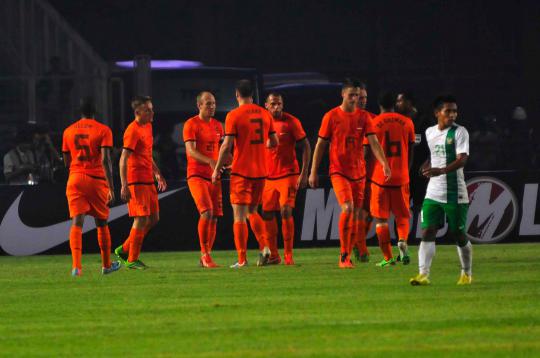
pixel 392 149
pixel 83 147
pixel 258 122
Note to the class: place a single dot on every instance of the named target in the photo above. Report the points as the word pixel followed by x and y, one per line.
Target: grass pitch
pixel 313 309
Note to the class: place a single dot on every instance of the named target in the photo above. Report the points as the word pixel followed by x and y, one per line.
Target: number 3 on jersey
pixel 257 123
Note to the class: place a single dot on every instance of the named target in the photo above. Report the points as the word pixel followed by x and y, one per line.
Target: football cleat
pixel 385 262
pixel 206 261
pixel 289 259
pixel 123 256
pixel 76 272
pixel 264 257
pixel 115 266
pixel 420 280
pixel 239 264
pixel 345 261
pixel 136 265
pixel 274 260
pixel 464 279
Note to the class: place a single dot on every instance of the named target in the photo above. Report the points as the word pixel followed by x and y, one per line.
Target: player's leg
pixel 343 190
pixel 240 231
pixel 76 192
pixel 380 209
pixel 217 205
pixel 256 222
pixel 136 238
pixel 271 229
pixel 363 226
pixel 75 244
pixel 287 227
pixel 400 206
pixel 457 219
pixel 104 240
pixel 200 190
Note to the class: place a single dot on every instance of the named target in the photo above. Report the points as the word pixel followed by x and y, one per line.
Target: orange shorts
pixel 386 199
pixel 367 197
pixel 87 195
pixel 348 190
pixel 207 196
pixel 246 191
pixel 144 200
pixel 279 192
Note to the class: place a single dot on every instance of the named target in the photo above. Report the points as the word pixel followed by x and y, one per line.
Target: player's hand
pixel 125 194
pixel 161 183
pixel 215 176
pixel 313 180
pixel 387 172
pixel 432 172
pixel 110 197
pixel 302 182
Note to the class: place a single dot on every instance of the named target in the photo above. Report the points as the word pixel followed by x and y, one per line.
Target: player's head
pixel 143 108
pixel 387 101
pixel 206 103
pixel 445 110
pixel 405 102
pixel 274 104
pixel 244 89
pixel 362 98
pixel 350 92
pixel 87 107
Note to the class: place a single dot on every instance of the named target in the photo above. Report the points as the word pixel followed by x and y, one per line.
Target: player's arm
pixel 273 140
pixel 378 152
pixel 224 151
pixel 161 183
pixel 67 159
pixel 461 160
pixel 191 147
pixel 106 163
pixel 320 149
pixel 306 157
pixel 124 190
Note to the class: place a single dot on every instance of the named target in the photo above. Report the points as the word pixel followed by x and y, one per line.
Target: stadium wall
pixel 34 219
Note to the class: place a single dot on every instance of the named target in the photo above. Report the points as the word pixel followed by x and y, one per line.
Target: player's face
pixel 350 97
pixel 274 105
pixel 401 104
pixel 207 105
pixel 362 99
pixel 146 112
pixel 447 115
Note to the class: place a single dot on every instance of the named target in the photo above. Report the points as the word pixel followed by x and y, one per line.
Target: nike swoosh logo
pixel 19 239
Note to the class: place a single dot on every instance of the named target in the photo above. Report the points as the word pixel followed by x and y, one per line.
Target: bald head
pixel 206 104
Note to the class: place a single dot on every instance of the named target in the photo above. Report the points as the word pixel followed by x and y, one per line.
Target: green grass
pixel 311 310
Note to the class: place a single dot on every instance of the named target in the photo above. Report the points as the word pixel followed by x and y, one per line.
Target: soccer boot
pixel 207 262
pixel 76 272
pixel 264 257
pixel 239 265
pixel 420 280
pixel 345 261
pixel 356 253
pixel 289 260
pixel 123 256
pixel 385 262
pixel 115 266
pixel 274 260
pixel 136 265
pixel 464 279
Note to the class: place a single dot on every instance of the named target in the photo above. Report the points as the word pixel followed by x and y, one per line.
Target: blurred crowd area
pixel 32 153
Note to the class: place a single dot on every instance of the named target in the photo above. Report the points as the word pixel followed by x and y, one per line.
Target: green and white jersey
pixel 444 146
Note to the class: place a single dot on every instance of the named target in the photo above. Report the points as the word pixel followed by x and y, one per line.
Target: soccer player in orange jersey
pixel 395 132
pixel 202 135
pixel 137 174
pixel 345 127
pixel 250 128
pixel 86 148
pixel 284 178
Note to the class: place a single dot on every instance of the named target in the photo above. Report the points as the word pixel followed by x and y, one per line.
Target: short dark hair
pixel 244 88
pixel 353 83
pixel 408 96
pixel 275 94
pixel 387 100
pixel 139 101
pixel 439 102
pixel 87 107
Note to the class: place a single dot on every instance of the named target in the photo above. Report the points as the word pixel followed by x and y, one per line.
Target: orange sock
pixel 240 231
pixel 271 229
pixel 403 227
pixel 345 226
pixel 383 234
pixel 136 237
pixel 287 226
pixel 212 235
pixel 361 238
pixel 75 243
pixel 104 240
pixel 257 225
pixel 125 245
pixel 354 234
pixel 204 234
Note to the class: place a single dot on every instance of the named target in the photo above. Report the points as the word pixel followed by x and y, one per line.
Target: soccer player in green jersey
pixel 446 193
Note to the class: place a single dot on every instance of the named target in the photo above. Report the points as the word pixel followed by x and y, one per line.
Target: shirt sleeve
pixel 65 146
pixel 131 138
pixel 230 125
pixel 107 139
pixel 298 131
pixel 368 120
pixel 462 141
pixel 369 126
pixel 189 134
pixel 411 134
pixel 325 132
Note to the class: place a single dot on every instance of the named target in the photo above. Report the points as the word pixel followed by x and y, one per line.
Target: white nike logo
pixel 19 239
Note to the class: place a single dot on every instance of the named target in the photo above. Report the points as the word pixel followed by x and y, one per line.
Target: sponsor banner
pixel 34 219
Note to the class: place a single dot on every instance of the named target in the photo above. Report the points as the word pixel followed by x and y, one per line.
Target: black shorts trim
pixel 325 138
pixel 199 176
pixel 249 178
pixel 189 140
pixel 272 132
pixel 126 148
pixel 283 176
pixel 347 177
pixel 142 183
pixel 230 135
pixel 301 139
pixel 387 186
pixel 96 177
pixel 66 151
pixel 370 133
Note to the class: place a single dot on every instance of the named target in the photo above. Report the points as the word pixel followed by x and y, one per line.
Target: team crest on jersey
pixel 449 141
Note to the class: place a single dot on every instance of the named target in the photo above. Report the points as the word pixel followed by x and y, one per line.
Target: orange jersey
pixel 251 125
pixel 395 132
pixel 84 140
pixel 207 136
pixel 281 160
pixel 139 140
pixel 346 132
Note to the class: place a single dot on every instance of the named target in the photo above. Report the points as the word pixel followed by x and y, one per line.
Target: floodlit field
pixel 311 310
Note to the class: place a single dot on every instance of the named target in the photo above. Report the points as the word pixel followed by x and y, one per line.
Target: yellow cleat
pixel 420 280
pixel 464 279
